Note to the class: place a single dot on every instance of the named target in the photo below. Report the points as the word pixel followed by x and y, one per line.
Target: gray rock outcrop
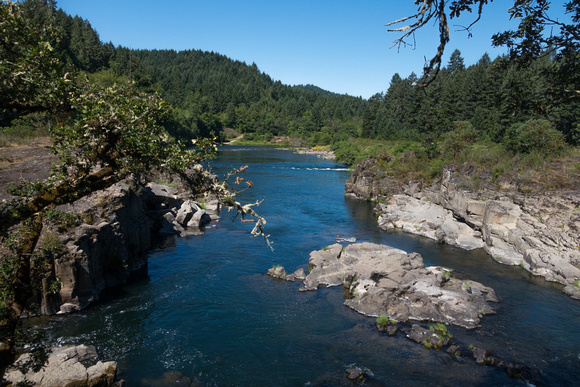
pixel 106 250
pixel 109 246
pixel 382 280
pixel 280 273
pixel 65 367
pixel 366 183
pixel 539 232
pixel 425 218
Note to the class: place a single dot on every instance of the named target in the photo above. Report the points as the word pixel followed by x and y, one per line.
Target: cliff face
pixel 109 247
pixel 540 232
pixel 106 253
pixel 367 183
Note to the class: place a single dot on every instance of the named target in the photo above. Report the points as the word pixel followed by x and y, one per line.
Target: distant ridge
pixel 314 89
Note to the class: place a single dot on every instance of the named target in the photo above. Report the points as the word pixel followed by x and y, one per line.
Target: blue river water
pixel 209 311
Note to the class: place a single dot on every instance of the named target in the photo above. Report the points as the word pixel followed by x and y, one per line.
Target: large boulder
pixel 199 219
pixel 280 273
pixel 65 367
pixel 382 280
pixel 108 249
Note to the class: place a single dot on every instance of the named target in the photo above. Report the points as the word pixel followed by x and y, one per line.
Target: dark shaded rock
pixel 480 355
pixel 355 374
pixel 162 196
pixel 454 350
pixel 108 247
pixel 110 251
pixel 172 378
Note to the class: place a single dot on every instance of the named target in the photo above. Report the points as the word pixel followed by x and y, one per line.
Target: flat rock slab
pixel 64 368
pixel 382 280
pixel 428 219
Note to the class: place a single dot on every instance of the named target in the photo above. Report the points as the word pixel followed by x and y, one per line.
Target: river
pixel 209 312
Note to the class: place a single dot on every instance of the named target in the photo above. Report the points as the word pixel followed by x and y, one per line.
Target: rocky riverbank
pixel 97 243
pixel 65 366
pixel 107 245
pixel 540 232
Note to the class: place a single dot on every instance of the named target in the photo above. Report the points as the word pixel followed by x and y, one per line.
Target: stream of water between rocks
pixel 209 311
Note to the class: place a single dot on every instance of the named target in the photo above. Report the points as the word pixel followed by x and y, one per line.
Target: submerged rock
pixel 172 378
pixel 382 280
pixel 340 239
pixel 355 374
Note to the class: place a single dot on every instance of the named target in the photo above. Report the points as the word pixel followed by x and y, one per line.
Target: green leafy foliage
pixel 459 138
pixel 383 321
pixel 535 135
pixel 61 218
pixel 118 126
pixel 29 72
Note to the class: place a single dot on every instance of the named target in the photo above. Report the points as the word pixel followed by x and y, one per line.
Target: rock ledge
pixel 382 280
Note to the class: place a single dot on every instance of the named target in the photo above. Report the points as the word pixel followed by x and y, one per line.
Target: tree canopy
pixel 100 135
pixel 538 33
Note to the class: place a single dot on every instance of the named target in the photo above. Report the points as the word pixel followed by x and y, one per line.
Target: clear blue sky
pixel 338 45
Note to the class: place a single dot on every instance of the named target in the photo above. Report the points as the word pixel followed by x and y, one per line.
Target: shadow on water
pixel 209 312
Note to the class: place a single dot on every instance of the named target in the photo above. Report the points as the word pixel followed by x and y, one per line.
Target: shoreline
pixel 538 232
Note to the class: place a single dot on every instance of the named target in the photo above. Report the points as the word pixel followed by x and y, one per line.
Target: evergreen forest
pixel 494 100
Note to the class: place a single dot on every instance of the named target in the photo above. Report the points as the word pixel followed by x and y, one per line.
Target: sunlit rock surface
pixel 382 280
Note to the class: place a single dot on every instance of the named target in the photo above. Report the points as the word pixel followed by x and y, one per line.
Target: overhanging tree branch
pixel 525 44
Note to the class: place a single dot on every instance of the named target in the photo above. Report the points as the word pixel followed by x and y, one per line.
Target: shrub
pixel 383 321
pixel 458 139
pixel 405 146
pixel 534 135
pixel 436 168
pixel 346 152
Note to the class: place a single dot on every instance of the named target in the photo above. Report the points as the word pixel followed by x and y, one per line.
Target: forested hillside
pixel 490 100
pixel 211 91
pixel 207 90
pixel 490 95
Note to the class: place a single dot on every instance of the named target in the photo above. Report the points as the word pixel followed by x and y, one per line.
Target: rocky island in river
pixel 382 280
